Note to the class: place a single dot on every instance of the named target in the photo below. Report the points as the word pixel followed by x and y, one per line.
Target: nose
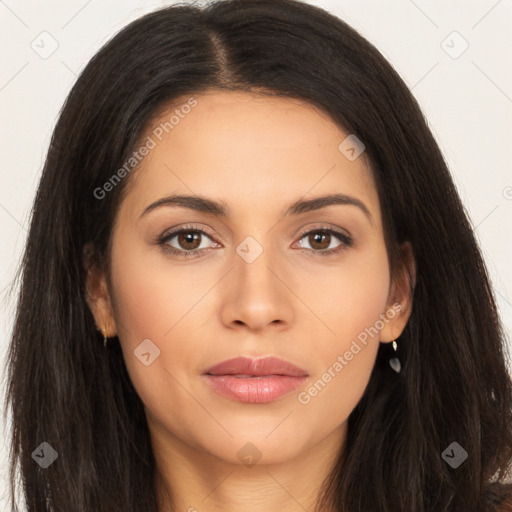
pixel 256 293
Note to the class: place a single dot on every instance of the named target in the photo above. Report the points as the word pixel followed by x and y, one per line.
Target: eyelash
pixel 346 241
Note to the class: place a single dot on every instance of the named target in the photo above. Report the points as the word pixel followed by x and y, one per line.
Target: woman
pixel 330 343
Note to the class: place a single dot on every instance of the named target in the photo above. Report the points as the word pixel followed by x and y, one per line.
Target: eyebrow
pixel 220 208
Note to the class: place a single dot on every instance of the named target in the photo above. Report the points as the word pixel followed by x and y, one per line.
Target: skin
pixel 258 155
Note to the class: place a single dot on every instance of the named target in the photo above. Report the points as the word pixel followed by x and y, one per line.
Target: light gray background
pixel 466 98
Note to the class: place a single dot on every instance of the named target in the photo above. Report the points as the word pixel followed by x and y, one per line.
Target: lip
pixel 251 380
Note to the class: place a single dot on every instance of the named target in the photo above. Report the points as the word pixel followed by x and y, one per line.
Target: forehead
pixel 248 151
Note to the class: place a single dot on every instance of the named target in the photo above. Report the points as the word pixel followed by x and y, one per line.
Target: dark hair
pixel 66 390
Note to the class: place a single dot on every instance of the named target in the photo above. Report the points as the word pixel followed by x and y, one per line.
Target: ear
pixel 97 294
pixel 399 305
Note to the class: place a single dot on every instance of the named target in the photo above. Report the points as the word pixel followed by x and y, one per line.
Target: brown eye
pixel 189 240
pixel 186 241
pixel 319 241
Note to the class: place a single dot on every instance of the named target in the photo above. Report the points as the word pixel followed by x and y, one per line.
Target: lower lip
pixel 254 390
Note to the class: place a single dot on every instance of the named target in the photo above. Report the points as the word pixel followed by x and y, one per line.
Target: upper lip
pixel 262 366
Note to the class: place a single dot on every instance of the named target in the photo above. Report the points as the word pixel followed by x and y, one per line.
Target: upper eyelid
pixel 168 234
pixel 325 227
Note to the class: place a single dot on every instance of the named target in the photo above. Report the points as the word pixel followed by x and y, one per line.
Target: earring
pixel 394 362
pixel 104 337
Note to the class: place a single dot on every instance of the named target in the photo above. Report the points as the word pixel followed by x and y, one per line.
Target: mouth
pixel 255 380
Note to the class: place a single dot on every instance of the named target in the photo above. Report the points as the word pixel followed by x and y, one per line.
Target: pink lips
pixel 255 380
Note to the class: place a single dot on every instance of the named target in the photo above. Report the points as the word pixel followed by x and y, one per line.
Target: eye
pixel 320 239
pixel 188 239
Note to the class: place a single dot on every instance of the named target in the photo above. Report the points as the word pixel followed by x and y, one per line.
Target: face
pixel 308 285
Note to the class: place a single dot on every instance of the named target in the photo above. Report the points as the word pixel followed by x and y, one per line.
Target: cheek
pixel 153 298
pixel 152 302
pixel 334 392
pixel 349 300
